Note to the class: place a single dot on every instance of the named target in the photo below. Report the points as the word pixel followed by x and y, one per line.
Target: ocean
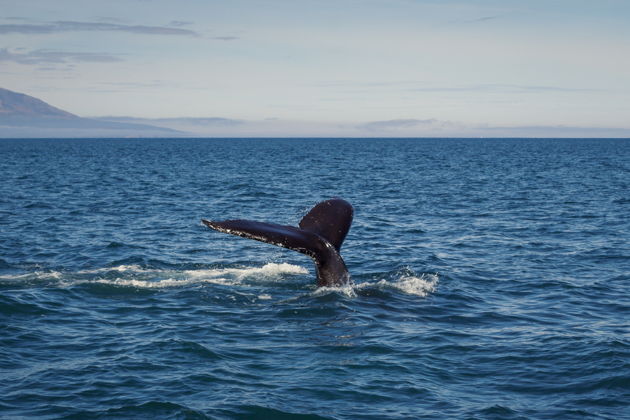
pixel 490 280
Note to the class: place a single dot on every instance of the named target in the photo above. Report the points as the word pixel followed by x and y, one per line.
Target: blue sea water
pixel 491 280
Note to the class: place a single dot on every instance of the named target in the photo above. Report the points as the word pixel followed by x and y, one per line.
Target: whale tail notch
pixel 319 235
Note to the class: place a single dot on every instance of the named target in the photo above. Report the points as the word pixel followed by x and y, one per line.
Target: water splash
pixel 139 277
pixel 410 284
pixel 420 285
pixel 153 278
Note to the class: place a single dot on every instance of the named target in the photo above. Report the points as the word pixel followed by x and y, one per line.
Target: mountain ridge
pixel 20 104
pixel 25 116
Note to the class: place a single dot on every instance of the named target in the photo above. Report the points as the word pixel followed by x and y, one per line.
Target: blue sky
pixel 344 67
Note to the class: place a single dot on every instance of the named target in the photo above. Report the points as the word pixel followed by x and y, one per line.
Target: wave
pixel 131 275
pixel 416 285
pixel 223 276
pixel 413 285
pixel 137 276
pixel 35 275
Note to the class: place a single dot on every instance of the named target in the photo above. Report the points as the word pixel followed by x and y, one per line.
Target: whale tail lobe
pixel 319 235
pixel 330 219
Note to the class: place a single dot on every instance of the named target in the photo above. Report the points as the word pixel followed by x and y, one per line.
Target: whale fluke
pixel 319 235
pixel 330 219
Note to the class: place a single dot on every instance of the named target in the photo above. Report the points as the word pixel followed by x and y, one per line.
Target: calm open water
pixel 491 280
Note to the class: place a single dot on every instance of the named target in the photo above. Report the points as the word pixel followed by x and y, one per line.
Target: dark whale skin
pixel 320 234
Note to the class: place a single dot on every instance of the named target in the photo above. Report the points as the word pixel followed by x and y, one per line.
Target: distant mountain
pixel 19 104
pixel 25 116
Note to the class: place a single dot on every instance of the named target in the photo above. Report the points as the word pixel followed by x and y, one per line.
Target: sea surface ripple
pixel 490 280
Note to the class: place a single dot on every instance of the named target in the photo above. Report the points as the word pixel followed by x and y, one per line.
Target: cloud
pixel 135 85
pixel 439 128
pixel 465 21
pixel 504 88
pixel 25 29
pixel 208 121
pixel 553 131
pixel 548 88
pixel 208 126
pixel 197 121
pixel 225 38
pixel 399 124
pixel 368 84
pixel 44 56
pixel 74 26
pixel 180 23
pixel 481 19
pixel 109 19
pixel 424 86
pixel 274 127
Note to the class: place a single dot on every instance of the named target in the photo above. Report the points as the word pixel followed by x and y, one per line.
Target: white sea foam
pixel 15 276
pixel 162 283
pixel 146 278
pixel 267 270
pixel 136 276
pixel 413 285
pixel 36 275
pixel 420 285
pixel 122 268
pixel 348 290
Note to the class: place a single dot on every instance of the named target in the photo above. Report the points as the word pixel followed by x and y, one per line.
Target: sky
pixel 338 67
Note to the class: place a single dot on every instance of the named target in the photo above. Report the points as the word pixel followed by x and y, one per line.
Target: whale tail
pixel 330 219
pixel 319 235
